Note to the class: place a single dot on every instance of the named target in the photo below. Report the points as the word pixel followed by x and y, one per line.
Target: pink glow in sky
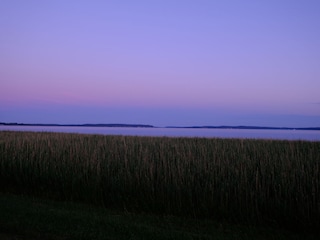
pixel 160 62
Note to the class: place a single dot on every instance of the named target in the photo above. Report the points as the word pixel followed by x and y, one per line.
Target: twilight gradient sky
pixel 175 62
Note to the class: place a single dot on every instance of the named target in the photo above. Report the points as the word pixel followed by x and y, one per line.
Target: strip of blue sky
pixel 160 62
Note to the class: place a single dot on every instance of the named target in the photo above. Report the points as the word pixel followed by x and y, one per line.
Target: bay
pixel 309 135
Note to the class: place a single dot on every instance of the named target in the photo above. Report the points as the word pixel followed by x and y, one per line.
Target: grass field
pixel 29 218
pixel 263 182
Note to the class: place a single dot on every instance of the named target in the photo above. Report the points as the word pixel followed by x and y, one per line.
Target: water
pixel 309 135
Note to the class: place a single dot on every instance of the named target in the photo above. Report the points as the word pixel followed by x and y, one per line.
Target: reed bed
pixel 265 181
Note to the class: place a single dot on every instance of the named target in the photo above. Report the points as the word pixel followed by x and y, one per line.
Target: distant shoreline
pixel 77 125
pixel 151 126
pixel 249 127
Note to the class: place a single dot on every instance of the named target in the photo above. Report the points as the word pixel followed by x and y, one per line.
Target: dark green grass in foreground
pixel 247 181
pixel 26 218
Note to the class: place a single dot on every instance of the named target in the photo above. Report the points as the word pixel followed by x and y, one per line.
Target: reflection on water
pixel 179 132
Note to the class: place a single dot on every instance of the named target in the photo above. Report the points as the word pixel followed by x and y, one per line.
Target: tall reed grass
pixel 231 179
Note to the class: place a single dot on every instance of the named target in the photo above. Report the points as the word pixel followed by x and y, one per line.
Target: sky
pixel 164 63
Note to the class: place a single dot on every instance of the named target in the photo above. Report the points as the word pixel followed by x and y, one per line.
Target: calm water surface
pixel 179 132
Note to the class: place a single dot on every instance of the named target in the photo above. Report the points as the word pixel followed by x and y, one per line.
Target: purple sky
pixel 161 62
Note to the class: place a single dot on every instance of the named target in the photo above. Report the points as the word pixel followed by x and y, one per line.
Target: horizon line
pixel 152 126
